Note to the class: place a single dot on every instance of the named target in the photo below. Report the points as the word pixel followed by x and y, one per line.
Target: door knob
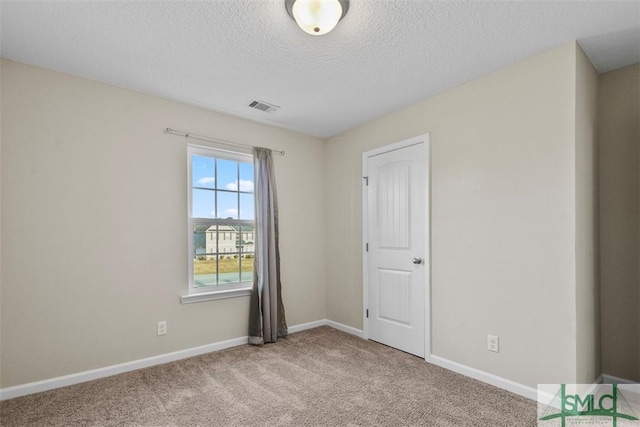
pixel 417 260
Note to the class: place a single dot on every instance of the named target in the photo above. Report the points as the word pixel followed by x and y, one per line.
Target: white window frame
pixel 227 291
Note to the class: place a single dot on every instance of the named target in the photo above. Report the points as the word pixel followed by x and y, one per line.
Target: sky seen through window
pixel 229 181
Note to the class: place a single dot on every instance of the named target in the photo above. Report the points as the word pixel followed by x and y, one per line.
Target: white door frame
pixel 427 244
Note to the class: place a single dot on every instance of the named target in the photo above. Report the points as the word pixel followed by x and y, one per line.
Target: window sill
pixel 215 295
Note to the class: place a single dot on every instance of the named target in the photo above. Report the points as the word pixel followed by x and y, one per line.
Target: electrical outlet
pixel 493 344
pixel 162 327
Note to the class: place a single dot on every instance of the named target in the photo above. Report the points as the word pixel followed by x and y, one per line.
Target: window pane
pixel 227 175
pixel 246 177
pixel 210 240
pixel 247 268
pixel 222 189
pixel 246 248
pixel 199 244
pixel 226 242
pixel 204 239
pixel 203 204
pixel 246 243
pixel 202 172
pixel 204 271
pixel 229 269
pixel 227 205
pixel 246 206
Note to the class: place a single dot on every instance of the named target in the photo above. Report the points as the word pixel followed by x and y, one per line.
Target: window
pixel 221 213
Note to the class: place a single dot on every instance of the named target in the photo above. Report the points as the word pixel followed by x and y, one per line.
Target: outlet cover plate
pixel 162 327
pixel 493 343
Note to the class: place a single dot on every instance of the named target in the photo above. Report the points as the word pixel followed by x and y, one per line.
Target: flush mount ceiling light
pixel 317 17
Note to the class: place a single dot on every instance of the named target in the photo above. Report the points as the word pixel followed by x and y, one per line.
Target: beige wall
pixel 94 225
pixel 619 137
pixel 503 197
pixel 587 276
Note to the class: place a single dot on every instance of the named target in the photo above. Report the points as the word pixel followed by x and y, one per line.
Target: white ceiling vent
pixel 263 106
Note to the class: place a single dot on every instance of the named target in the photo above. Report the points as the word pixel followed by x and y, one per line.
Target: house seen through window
pixel 221 219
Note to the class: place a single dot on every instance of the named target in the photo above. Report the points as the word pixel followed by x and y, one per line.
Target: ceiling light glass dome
pixel 317 17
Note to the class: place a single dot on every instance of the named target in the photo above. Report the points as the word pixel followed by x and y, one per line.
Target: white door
pixel 397 258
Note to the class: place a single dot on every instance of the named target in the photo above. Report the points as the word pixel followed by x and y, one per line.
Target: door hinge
pixel 367 247
pixel 366 180
pixel 367 313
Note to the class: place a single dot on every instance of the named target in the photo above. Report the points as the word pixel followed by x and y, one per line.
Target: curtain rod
pixel 209 139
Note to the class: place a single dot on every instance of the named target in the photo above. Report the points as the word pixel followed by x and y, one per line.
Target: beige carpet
pixel 320 377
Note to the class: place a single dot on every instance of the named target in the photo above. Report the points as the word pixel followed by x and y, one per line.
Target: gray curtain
pixel 266 312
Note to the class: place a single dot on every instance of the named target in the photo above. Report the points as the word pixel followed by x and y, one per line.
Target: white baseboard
pixel 611 379
pixel 94 374
pixel 485 377
pixel 304 326
pixel 344 328
pixel 80 377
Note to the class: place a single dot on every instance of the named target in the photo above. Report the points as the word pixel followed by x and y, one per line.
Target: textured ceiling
pixel 384 55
